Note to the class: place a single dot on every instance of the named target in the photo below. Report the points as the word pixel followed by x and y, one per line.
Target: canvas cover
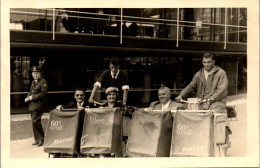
pixel 150 134
pixel 192 134
pixel 126 125
pixel 102 132
pixel 63 132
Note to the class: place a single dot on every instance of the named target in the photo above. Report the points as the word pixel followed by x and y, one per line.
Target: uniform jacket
pixel 156 105
pixel 215 87
pixel 38 91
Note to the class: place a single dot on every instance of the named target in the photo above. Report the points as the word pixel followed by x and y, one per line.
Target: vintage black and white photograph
pixel 106 83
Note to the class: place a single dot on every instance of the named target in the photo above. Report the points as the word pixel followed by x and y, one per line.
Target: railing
pixel 71 21
pixel 103 90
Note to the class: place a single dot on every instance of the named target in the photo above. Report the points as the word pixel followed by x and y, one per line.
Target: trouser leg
pixel 37 126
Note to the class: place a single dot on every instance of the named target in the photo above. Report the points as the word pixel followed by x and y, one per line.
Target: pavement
pixel 22 148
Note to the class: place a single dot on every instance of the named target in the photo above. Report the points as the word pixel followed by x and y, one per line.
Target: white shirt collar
pixel 207 73
pixel 80 104
pixel 115 75
pixel 165 106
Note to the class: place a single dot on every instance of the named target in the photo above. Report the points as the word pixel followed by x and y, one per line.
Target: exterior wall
pixel 150 55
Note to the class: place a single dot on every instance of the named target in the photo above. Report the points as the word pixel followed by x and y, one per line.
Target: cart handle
pixel 193 111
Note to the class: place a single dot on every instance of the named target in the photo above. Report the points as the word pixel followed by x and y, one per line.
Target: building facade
pixel 156 46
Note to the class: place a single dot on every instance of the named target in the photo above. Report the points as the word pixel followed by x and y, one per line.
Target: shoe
pixel 56 155
pixel 101 156
pixel 35 143
pixel 40 143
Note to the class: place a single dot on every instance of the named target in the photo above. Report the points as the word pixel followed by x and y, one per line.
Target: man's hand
pixel 210 100
pixel 30 98
pixel 91 100
pixel 80 108
pixel 59 107
pixel 178 99
pixel 27 99
pixel 205 106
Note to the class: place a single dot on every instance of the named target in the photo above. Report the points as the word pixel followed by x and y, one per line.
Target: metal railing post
pixel 177 40
pixel 121 28
pixel 238 12
pixel 225 34
pixel 53 24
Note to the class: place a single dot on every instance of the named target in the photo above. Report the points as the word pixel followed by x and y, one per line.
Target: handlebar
pixel 199 101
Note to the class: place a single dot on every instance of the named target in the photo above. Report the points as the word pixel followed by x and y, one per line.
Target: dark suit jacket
pixel 172 106
pixel 73 105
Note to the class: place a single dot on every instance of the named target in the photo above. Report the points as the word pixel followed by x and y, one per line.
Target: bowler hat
pixel 35 69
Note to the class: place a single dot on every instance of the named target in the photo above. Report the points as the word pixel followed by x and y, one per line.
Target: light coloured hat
pixel 111 89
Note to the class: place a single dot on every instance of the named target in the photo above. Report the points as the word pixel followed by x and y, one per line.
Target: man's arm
pixel 188 89
pixel 27 97
pixel 96 86
pixel 125 87
pixel 91 98
pixel 220 88
pixel 125 94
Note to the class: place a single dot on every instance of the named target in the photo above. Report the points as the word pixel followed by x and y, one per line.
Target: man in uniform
pixel 165 102
pixel 37 98
pixel 114 77
pixel 210 84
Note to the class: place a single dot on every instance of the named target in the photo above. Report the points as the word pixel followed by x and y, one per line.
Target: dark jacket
pixel 117 104
pixel 38 91
pixel 107 81
pixel 73 105
pixel 156 105
pixel 215 88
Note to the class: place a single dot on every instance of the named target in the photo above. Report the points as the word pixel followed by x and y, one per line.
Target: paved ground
pixel 23 149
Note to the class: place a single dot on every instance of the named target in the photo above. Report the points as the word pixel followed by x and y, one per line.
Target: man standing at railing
pixel 210 84
pixel 114 77
pixel 37 98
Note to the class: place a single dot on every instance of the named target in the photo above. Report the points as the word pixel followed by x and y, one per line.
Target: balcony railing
pixel 149 26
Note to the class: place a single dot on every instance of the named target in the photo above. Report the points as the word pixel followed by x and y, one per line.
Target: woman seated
pixel 112 95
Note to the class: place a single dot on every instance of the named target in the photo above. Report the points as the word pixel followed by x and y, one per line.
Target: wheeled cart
pixel 201 133
pixel 63 133
pixel 102 132
pixel 150 134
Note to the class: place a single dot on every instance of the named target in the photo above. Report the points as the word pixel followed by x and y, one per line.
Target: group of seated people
pixel 210 83
pixel 80 102
pixel 111 93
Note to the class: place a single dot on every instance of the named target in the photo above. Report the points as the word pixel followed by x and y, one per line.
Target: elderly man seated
pixel 165 102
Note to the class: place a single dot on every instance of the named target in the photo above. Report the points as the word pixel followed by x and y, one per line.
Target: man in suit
pixel 79 102
pixel 37 98
pixel 165 102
